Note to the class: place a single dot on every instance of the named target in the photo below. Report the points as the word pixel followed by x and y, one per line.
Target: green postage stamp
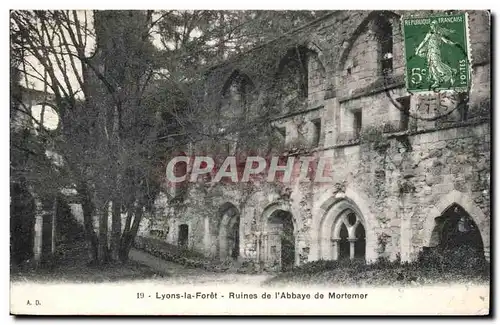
pixel 437 53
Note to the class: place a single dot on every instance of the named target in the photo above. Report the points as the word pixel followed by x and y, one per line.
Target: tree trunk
pixel 90 235
pixel 54 225
pixel 116 229
pixel 129 234
pixel 102 251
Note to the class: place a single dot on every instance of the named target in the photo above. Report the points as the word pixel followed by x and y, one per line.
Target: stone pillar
pixel 264 241
pixel 298 244
pixel 37 246
pixel 324 247
pixel 487 253
pixel 206 236
pixel 39 254
pixel 406 210
pixel 405 237
pixel 258 248
pixel 335 248
pixel 54 217
pixel 352 245
pixel 331 123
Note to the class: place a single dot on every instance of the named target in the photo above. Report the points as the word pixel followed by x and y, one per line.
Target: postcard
pixel 250 162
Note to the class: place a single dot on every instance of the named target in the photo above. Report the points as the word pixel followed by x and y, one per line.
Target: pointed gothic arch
pixel 342 231
pixel 373 19
pixel 229 232
pixel 279 241
pixel 454 199
pixel 238 84
pixel 327 208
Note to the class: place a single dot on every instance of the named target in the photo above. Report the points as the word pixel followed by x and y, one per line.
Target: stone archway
pixel 279 238
pixel 229 232
pixel 183 236
pixel 444 207
pixel 325 211
pixel 342 232
pixel 455 228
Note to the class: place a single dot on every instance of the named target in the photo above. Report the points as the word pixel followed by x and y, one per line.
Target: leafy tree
pixel 124 104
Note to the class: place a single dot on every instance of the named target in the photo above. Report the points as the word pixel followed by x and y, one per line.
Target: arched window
pixel 292 80
pixel 343 243
pixel 349 236
pixel 360 244
pixel 456 228
pixel 237 94
pixel 384 34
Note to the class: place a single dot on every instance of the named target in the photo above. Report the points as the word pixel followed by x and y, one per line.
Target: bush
pixel 465 259
pixel 188 257
pixel 175 254
pixel 463 264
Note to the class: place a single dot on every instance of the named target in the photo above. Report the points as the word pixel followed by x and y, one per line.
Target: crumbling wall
pixel 396 175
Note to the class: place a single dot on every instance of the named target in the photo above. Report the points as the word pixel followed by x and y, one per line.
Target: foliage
pixel 443 267
pixel 176 254
pixel 465 257
pixel 70 266
pixel 188 257
pixel 125 103
pixel 105 137
pixel 376 138
pixel 382 241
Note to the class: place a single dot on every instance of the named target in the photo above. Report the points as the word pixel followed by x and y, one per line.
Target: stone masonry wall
pixel 398 179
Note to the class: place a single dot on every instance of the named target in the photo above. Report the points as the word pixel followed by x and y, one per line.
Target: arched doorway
pixel 455 229
pixel 229 232
pixel 183 237
pixel 280 240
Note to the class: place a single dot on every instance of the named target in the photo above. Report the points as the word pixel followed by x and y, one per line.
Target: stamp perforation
pixel 466 44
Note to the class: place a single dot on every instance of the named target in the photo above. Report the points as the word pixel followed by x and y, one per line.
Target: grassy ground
pixel 425 271
pixel 70 265
pixel 189 258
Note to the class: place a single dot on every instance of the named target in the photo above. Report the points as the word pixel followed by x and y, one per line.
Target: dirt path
pixel 181 274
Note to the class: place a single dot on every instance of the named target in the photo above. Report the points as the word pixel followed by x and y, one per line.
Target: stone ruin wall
pixel 399 179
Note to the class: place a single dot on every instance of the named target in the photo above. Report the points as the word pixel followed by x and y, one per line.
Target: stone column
pixel 38 235
pixel 352 245
pixel 206 236
pixel 54 217
pixel 37 246
pixel 406 210
pixel 487 253
pixel 265 239
pixel 258 248
pixel 335 248
pixel 298 244
pixel 405 237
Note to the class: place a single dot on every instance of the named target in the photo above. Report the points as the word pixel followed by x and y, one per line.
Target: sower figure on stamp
pixel 430 48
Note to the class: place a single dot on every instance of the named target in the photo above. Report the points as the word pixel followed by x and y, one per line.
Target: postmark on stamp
pixel 436 53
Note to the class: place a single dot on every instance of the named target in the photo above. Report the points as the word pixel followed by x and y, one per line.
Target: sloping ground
pixel 70 265
pixel 181 274
pixel 164 266
pixel 188 258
